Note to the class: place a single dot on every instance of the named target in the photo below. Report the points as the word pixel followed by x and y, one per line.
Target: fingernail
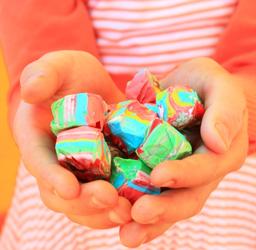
pixel 224 134
pixel 32 77
pixel 98 203
pixel 116 218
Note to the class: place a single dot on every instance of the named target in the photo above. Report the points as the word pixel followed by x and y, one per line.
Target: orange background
pixel 9 157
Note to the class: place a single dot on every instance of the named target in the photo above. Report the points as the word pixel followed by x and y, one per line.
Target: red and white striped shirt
pixel 157 34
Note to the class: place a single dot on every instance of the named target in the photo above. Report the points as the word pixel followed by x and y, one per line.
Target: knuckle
pixel 70 55
pixel 205 61
pixel 51 55
pixel 202 60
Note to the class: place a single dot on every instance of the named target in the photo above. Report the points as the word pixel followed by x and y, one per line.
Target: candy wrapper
pixel 131 178
pixel 152 107
pixel 84 151
pixel 163 142
pixel 78 110
pixel 127 124
pixel 180 106
pixel 143 87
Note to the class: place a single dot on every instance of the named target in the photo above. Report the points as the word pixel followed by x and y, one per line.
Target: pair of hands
pixel 97 204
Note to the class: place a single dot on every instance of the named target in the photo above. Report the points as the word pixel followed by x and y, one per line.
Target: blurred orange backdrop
pixel 9 157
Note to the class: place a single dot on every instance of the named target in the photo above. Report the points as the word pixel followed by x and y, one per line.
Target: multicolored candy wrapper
pixel 127 124
pixel 84 151
pixel 143 87
pixel 163 142
pixel 152 107
pixel 180 106
pixel 132 179
pixel 76 110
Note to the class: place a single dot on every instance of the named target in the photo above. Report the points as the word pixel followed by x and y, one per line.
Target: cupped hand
pixel 95 204
pixel 192 179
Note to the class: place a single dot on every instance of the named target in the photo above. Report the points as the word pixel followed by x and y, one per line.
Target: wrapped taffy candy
pixel 76 110
pixel 163 142
pixel 152 107
pixel 131 178
pixel 127 123
pixel 180 106
pixel 143 87
pixel 84 151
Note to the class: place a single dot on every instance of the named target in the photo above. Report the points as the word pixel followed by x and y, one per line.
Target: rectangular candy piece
pixel 143 87
pixel 84 151
pixel 127 124
pixel 180 106
pixel 163 142
pixel 132 179
pixel 76 110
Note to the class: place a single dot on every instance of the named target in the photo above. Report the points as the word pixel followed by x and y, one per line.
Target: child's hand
pixel 95 204
pixel 224 134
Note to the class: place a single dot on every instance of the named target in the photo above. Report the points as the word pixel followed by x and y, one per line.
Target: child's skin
pixel 96 204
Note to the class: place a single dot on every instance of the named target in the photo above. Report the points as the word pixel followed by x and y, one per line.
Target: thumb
pixel 59 73
pixel 38 154
pixel 34 79
pixel 222 96
pixel 219 127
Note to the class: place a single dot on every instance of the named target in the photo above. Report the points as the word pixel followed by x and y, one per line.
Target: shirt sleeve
pixel 237 53
pixel 31 28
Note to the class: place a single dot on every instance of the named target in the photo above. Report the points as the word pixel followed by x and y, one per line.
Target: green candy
pixel 132 178
pixel 163 142
pixel 129 169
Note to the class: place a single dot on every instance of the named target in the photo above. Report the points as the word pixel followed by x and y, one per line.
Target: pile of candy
pixel 123 142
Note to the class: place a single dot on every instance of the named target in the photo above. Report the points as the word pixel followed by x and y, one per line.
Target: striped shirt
pixel 159 35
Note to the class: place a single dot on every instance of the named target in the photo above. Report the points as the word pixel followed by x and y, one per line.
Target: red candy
pixel 143 87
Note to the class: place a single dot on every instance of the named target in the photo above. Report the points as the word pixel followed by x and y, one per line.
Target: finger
pixel 119 215
pixel 38 153
pixel 224 117
pixel 65 72
pixel 203 166
pixel 223 100
pixel 172 205
pixel 134 234
pixel 95 196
